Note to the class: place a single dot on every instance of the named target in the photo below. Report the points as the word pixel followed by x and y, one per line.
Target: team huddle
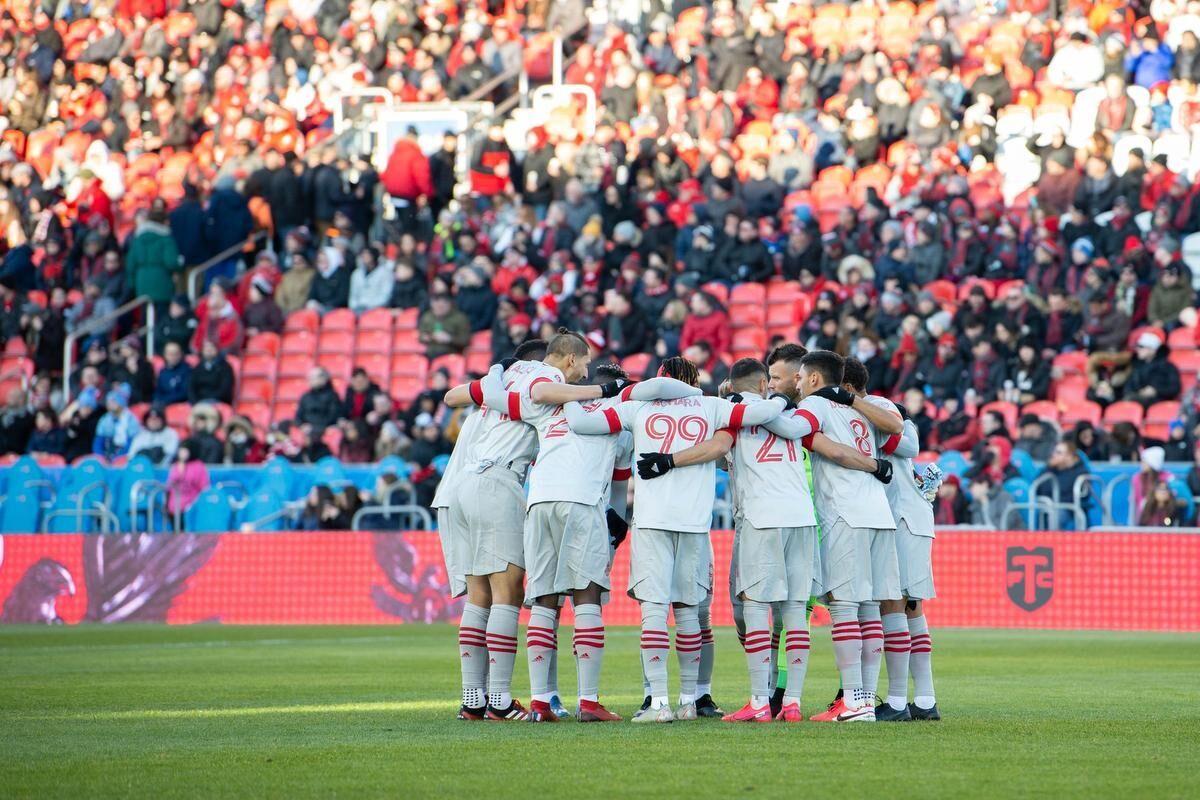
pixel 857 534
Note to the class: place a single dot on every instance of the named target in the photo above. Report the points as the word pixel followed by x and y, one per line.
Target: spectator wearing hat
pixel 1035 437
pixel 218 322
pixel 117 427
pixel 80 419
pixel 155 440
pixel 262 314
pixel 331 284
pixel 1168 298
pixel 242 446
pixel 1153 377
pixel 951 507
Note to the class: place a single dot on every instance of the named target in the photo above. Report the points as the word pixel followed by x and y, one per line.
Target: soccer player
pixel 775 554
pixel 487 512
pixel 905 633
pixel 567 548
pixel 671 557
pixel 858 557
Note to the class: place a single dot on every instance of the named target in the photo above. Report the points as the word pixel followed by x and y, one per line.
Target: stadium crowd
pixel 759 173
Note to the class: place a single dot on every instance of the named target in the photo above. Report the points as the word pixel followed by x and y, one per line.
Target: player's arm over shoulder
pixel 880 413
pixel 805 419
pixel 908 444
pixel 839 454
pixel 604 420
pixel 711 450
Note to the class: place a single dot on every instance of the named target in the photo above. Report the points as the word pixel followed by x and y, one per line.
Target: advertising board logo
pixel 1030 576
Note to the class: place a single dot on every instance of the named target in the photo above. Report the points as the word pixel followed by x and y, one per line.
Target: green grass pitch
pixel 207 711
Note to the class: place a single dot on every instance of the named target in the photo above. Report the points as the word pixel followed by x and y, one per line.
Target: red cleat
pixel 749 713
pixel 790 713
pixel 541 712
pixel 591 711
pixel 836 708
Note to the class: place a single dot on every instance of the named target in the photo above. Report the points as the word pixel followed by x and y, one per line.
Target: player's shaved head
pixel 747 375
pixel 856 376
pixel 532 350
pixel 819 369
pixel 567 343
pixel 680 369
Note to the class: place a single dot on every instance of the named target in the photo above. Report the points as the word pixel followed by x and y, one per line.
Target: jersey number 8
pixel 664 428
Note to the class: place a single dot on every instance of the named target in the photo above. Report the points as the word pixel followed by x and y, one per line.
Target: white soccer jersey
pixel 682 500
pixel 769 478
pixel 463 453
pixel 574 468
pixel 503 440
pixel 907 502
pixel 848 494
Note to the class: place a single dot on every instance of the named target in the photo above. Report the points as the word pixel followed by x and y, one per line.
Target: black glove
pixel 788 405
pixel 654 465
pixel 618 529
pixel 507 362
pixel 735 397
pixel 837 394
pixel 613 388
pixel 903 411
pixel 883 470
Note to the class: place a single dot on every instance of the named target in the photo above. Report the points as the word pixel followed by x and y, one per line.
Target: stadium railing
pixel 197 273
pixel 96 324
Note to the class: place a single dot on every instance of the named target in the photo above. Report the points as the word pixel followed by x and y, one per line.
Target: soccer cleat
pixel 777 701
pixel 686 712
pixel 540 711
pixel 645 703
pixel 707 707
pixel 924 714
pixel 472 714
pixel 661 714
pixel 590 711
pixel 863 713
pixel 514 713
pixel 885 713
pixel 749 713
pixel 789 713
pixel 560 711
pixel 830 714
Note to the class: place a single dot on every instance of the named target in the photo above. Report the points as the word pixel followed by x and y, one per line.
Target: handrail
pixel 135 493
pixel 1110 496
pixel 198 271
pixel 289 509
pixel 485 91
pixel 388 510
pixel 94 324
pixel 108 520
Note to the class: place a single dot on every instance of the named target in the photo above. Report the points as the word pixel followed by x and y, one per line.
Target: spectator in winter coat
pixel 296 285
pixel 227 223
pixel 928 256
pixel 16 423
pixel 174 379
pixel 628 332
pixel 118 427
pixel 1153 377
pixel 371 283
pixel 409 290
pixel 188 227
pixel 319 407
pixel 942 372
pixel 155 440
pixel 744 259
pixel 331 285
pixel 991 504
pixel 360 395
pixel 186 480
pixel 491 164
pixel 1079 65
pixel 1097 189
pixel 475 298
pixel 219 323
pixel 407 179
pixel 212 379
pixel 443 328
pixel 1150 61
pixel 1169 296
pixel 262 314
pixel 707 322
pixel 153 260
pixel 1035 437
pixel 48 437
pixel 1067 467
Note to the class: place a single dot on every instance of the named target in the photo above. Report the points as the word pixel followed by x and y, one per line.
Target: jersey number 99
pixel 666 429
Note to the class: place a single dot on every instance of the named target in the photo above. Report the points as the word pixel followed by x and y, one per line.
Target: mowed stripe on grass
pixel 210 711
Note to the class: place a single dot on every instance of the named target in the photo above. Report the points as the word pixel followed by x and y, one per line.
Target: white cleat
pixel 660 714
pixel 864 713
pixel 686 712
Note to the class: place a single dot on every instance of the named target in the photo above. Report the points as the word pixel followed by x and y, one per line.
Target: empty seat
pixel 263 343
pixel 454 364
pixel 405 341
pixel 304 342
pixel 255 388
pixel 1079 411
pixel 377 365
pixel 260 364
pixel 337 341
pixel 290 390
pixel 410 366
pixel 339 319
pixel 748 293
pixel 377 319
pixel 635 365
pixel 1124 411
pixel 1157 422
pixel 305 319
pixel 373 341
pixel 747 316
pixel 211 513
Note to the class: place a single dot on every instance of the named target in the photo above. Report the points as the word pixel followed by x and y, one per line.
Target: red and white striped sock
pixel 589 650
pixel 920 663
pixel 472 655
pixel 847 648
pixel 896 644
pixel 871 628
pixel 758 651
pixel 687 649
pixel 502 654
pixel 796 649
pixel 540 643
pixel 656 644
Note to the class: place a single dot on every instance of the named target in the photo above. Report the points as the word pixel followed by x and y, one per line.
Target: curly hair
pixel 680 369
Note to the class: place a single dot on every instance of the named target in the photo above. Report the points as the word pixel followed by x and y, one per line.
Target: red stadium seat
pixel 304 319
pixel 290 389
pixel 337 364
pixel 1047 410
pixel 1078 412
pixel 635 365
pixel 256 389
pixel 1124 411
pixel 1158 419
pixel 717 290
pixel 304 342
pixel 258 413
pixel 1070 390
pixel 748 294
pixel 337 341
pixel 454 364
pixel 177 415
pixel 373 340
pixel 478 363
pixel 1187 361
pixel 284 411
pixel 376 319
pixel 779 314
pixel 1136 332
pixel 481 342
pixel 295 364
pixel 407 319
pixel 945 292
pixel 782 292
pixel 410 366
pixel 339 319
pixel 405 341
pixel 747 316
pixel 263 343
pixel 404 388
pixel 1074 363
pixel 1182 339
pixel 750 339
pixel 377 365
pixel 15 347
